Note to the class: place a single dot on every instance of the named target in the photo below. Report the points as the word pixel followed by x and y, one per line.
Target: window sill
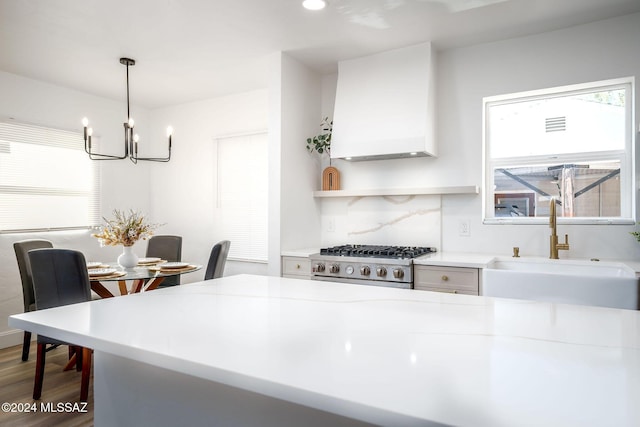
pixel 565 221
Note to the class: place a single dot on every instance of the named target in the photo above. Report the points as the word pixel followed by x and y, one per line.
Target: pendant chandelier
pixel 130 138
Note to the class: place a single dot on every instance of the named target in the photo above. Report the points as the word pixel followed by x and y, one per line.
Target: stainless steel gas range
pixel 367 264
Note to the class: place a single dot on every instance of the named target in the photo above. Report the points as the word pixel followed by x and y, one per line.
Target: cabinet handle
pixel 298 266
pixel 445 277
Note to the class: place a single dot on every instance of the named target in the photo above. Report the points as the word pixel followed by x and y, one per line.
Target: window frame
pixel 626 156
pixel 68 140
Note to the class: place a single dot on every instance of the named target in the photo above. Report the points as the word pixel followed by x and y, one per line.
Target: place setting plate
pixel 149 261
pixel 172 266
pixel 95 264
pixel 100 272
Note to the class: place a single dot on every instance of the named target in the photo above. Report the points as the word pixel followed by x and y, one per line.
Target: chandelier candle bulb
pixel 85 123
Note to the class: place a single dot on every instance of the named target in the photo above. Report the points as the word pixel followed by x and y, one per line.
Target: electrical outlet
pixel 331 225
pixel 463 228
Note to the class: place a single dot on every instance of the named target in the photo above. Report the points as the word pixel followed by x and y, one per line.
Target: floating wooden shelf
pixel 467 189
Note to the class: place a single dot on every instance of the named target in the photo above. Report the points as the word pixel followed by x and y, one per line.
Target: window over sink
pixel 572 143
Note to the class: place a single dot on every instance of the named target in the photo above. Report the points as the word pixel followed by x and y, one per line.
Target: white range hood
pixel 384 106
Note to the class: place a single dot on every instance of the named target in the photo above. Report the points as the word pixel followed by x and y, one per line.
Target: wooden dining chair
pixel 168 248
pixel 217 260
pixel 21 249
pixel 60 277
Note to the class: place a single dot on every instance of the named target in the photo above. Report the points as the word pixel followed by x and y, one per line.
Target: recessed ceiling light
pixel 314 4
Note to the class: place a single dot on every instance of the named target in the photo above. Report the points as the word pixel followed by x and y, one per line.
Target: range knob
pixel 318 268
pixel 381 271
pixel 365 270
pixel 398 273
pixel 334 268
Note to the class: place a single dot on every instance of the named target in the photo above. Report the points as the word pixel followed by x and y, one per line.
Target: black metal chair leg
pixel 26 346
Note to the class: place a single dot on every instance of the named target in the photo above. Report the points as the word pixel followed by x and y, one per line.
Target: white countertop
pixel 302 252
pixel 382 355
pixel 451 259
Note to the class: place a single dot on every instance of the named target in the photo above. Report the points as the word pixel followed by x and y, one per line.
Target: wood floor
pixel 16 386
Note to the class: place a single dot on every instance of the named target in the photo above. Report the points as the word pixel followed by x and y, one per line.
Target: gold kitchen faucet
pixel 554 246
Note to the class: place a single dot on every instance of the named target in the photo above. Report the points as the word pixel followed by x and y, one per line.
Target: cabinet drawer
pixel 450 290
pixel 447 279
pixel 296 266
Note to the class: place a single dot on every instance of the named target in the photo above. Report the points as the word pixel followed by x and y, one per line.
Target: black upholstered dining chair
pixel 217 260
pixel 168 248
pixel 21 249
pixel 60 277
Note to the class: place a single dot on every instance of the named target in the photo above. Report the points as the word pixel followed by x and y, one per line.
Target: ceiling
pixel 189 50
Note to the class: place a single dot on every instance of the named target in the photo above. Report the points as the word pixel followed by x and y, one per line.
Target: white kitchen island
pixel 268 351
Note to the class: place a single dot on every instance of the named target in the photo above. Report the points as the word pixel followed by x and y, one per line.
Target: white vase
pixel 128 259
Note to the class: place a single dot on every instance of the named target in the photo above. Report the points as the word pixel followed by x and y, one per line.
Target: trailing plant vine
pixel 322 142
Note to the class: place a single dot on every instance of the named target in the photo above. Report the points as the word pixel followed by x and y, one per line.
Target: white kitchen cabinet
pixel 296 267
pixel 456 280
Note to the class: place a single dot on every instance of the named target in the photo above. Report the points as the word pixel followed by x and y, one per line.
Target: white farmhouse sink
pixel 605 284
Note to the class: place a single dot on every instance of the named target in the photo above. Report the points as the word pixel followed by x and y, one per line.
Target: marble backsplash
pixel 382 220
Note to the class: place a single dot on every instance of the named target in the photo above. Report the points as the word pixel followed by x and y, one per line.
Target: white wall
pixel 275 159
pixel 597 51
pixel 182 191
pixel 124 185
pixel 294 115
pixel 300 170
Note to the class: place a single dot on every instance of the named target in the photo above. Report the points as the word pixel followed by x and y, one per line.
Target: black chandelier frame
pixel 130 138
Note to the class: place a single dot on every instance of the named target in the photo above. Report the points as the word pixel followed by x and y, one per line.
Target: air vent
pixel 555 124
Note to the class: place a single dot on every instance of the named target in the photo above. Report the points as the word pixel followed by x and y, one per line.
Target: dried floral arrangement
pixel 125 229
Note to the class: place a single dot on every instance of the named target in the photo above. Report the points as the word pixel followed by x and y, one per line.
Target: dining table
pixel 146 276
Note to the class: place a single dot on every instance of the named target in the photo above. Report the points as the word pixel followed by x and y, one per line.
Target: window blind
pixel 47 182
pixel 242 195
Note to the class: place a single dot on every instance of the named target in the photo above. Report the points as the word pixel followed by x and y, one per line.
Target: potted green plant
pixel 321 143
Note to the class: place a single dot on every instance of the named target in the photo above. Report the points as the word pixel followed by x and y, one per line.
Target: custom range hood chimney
pixel 385 106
